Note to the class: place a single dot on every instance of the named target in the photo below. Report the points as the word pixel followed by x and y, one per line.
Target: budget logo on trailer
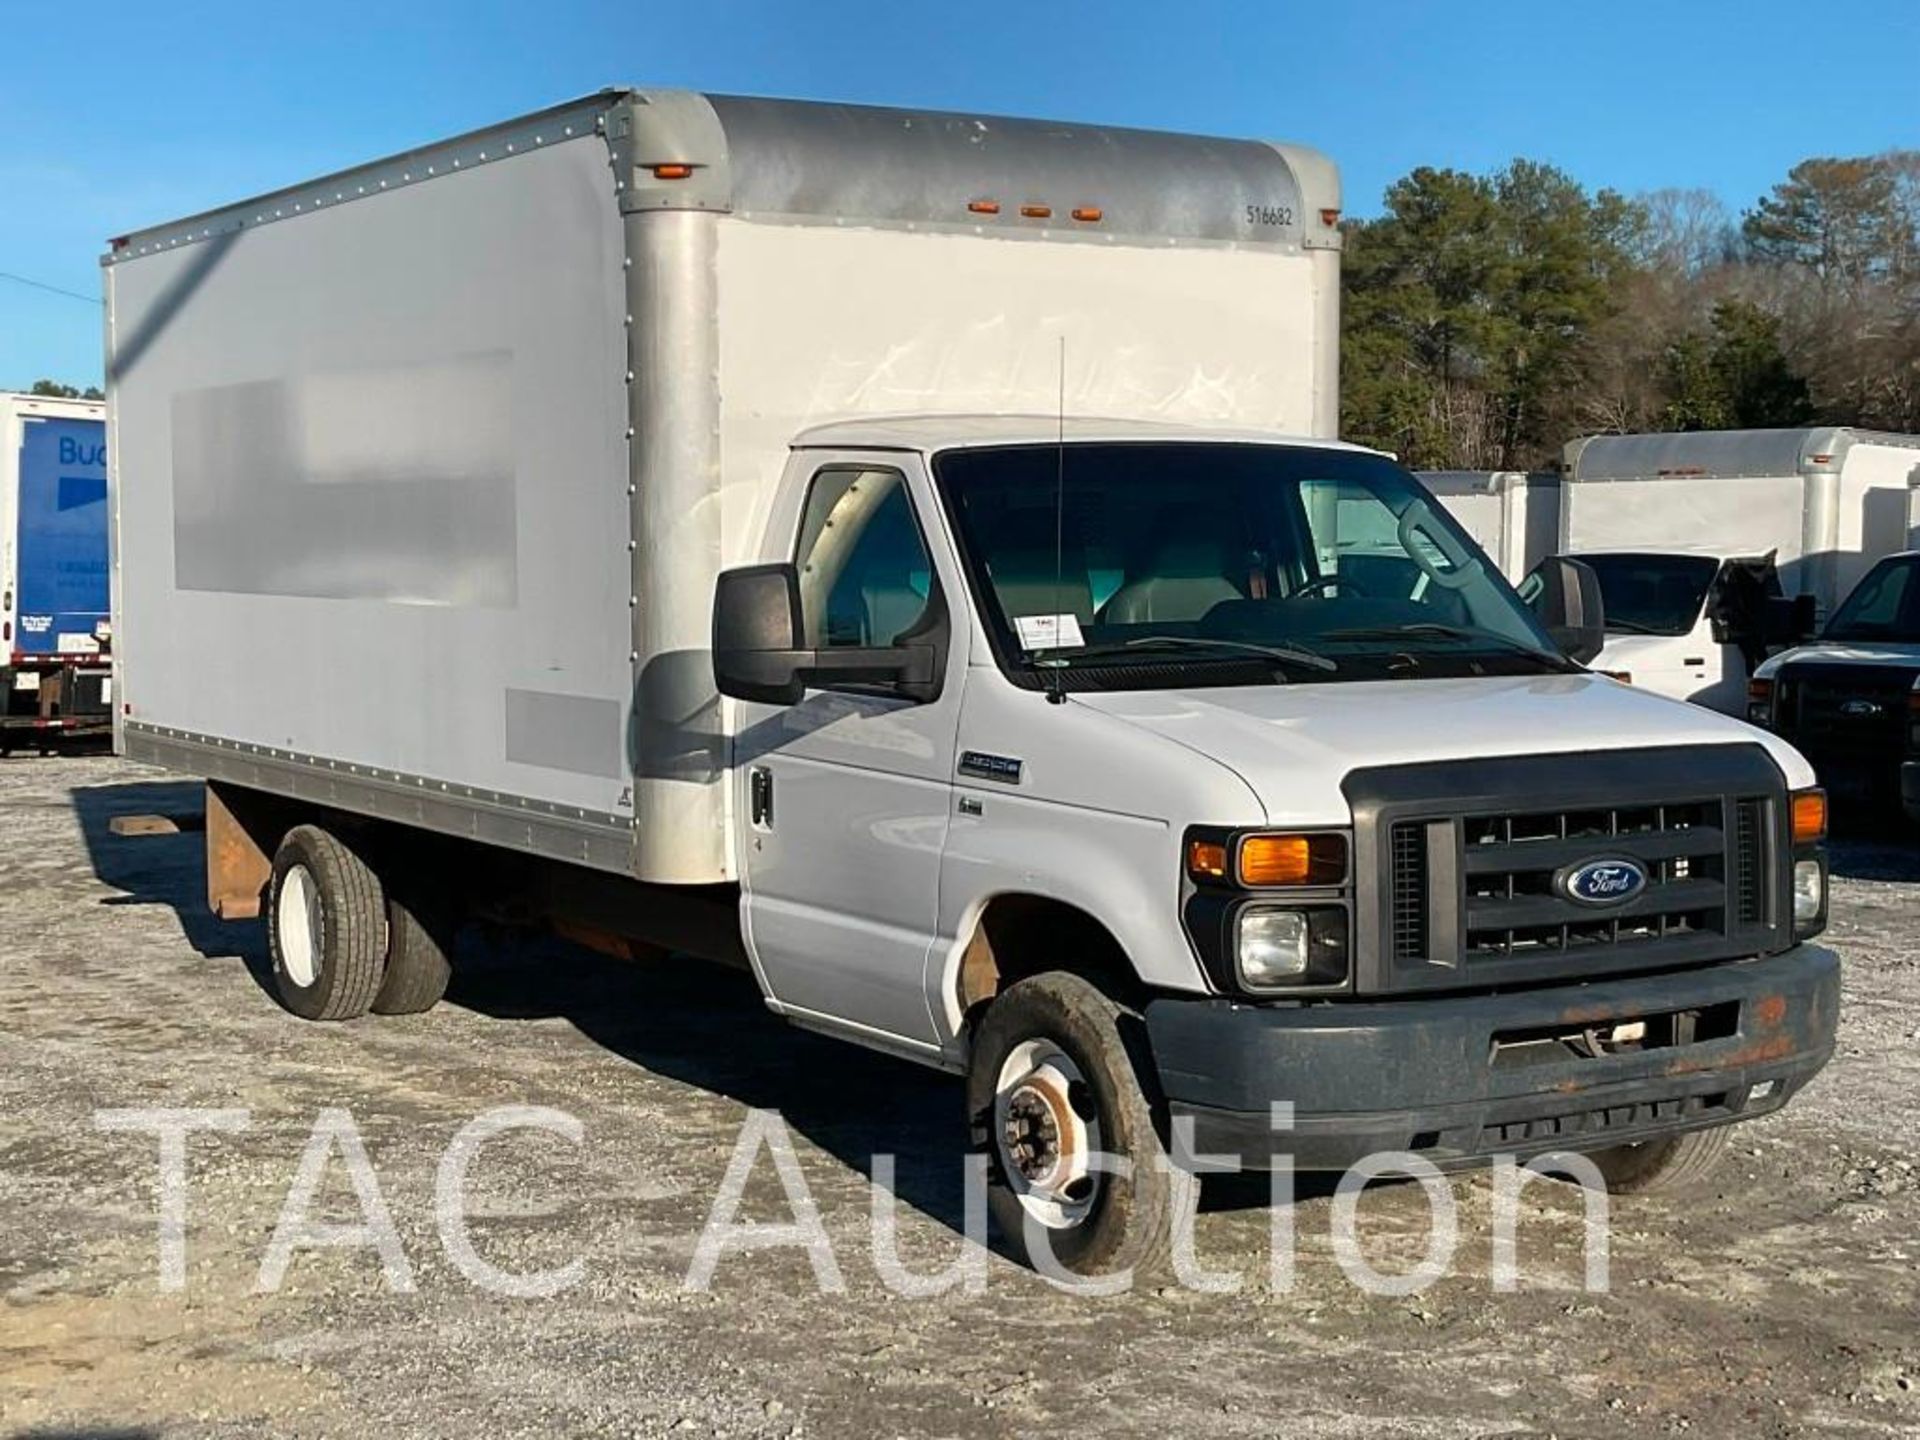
pixel 1603 882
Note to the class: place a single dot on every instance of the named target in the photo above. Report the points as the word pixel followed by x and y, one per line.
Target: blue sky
pixel 130 114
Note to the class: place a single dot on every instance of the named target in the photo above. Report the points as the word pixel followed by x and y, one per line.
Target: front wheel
pixel 1656 1165
pixel 1076 1168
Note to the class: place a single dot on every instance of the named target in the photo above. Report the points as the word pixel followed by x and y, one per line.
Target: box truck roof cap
pixel 931 432
pixel 795 159
pixel 1718 454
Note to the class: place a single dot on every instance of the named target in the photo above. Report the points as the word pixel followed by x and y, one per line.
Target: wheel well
pixel 1021 935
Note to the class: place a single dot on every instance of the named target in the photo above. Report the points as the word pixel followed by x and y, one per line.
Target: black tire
pixel 1657 1165
pixel 419 950
pixel 1129 1222
pixel 332 965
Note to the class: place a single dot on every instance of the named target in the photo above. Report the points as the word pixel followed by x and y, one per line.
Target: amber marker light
pixel 1809 816
pixel 1207 859
pixel 1267 860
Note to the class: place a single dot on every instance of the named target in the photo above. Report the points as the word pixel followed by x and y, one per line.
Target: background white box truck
pixel 1513 515
pixel 867 544
pixel 55 676
pixel 1695 535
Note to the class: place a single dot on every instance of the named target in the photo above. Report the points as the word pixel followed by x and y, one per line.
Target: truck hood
pixel 1294 744
pixel 1843 652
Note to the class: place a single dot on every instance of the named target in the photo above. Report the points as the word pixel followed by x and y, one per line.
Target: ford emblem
pixel 1603 882
pixel 1859 709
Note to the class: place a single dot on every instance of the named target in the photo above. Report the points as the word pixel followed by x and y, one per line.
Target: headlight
pixel 1809 894
pixel 1276 948
pixel 1760 702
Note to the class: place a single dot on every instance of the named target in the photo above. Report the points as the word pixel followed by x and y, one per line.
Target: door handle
pixel 760 796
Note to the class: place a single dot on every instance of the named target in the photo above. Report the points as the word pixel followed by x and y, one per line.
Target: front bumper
pixel 1456 1080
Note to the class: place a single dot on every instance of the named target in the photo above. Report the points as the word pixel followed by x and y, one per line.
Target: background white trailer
pixel 1513 514
pixel 450 447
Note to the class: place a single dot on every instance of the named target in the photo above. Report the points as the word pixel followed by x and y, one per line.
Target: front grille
pixel 1466 867
pixel 1748 884
pixel 1855 715
pixel 1511 864
pixel 1409 891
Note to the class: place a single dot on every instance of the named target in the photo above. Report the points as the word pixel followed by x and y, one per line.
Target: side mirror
pixel 757 633
pixel 760 651
pixel 1565 597
pixel 1788 620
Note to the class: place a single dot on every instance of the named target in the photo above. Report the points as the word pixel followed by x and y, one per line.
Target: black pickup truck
pixel 1850 700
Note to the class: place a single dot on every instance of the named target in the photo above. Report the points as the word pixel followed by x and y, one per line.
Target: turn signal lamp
pixel 674 171
pixel 1266 860
pixel 1809 816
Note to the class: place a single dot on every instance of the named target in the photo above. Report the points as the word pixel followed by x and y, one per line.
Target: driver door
pixel 844 798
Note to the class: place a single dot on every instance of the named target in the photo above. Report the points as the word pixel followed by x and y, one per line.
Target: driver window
pixel 865 577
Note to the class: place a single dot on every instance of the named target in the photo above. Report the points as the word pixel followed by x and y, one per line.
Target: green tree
pixel 1836 218
pixel 1469 306
pixel 54 390
pixel 1735 377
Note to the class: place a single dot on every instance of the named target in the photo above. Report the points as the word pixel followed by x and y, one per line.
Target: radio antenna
pixel 1056 693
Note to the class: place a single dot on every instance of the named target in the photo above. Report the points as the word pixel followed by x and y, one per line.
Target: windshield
pixel 1132 565
pixel 1653 594
pixel 1885 605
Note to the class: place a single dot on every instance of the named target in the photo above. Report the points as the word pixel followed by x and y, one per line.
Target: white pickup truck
pixel 905 553
pixel 1716 549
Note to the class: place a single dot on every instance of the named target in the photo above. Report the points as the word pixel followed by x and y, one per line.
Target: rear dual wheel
pixel 343 943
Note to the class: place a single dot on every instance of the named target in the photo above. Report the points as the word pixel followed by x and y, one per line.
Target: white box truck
pixel 55 674
pixel 1513 515
pixel 868 544
pixel 1704 541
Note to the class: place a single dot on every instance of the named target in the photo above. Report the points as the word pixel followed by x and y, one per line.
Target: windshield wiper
pixel 1287 655
pixel 1633 627
pixel 1435 630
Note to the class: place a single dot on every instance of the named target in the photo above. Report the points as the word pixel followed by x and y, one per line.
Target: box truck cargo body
pixel 908 552
pixel 1514 515
pixel 1693 534
pixel 55 634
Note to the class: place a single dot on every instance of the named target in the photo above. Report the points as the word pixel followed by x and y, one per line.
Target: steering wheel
pixel 1321 583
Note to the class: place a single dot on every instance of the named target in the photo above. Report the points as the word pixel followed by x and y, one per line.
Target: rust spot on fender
pixel 1770 1010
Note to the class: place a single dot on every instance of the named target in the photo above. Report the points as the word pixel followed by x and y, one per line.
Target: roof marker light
pixel 984 207
pixel 1088 214
pixel 1036 212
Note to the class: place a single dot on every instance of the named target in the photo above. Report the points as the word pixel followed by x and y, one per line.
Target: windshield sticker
pixel 1048 632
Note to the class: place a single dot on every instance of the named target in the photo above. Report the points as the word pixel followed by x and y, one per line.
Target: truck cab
pixel 1048 730
pixel 1851 699
pixel 1693 625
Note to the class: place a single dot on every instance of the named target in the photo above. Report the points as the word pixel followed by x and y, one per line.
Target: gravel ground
pixel 1781 1299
